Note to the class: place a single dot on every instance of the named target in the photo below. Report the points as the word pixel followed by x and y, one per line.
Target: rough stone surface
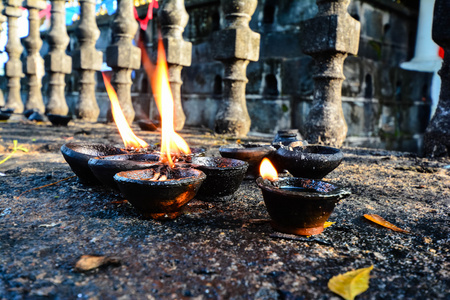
pixel 215 250
pixel 122 56
pixel 57 62
pixel 173 18
pixel 13 67
pixel 328 38
pixel 437 134
pixel 235 46
pixel 87 60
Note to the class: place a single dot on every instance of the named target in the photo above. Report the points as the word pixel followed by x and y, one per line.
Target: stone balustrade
pixel 57 62
pixel 328 37
pixel 2 20
pixel 173 18
pixel 13 68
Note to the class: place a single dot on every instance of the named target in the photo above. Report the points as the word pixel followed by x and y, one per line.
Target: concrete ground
pixel 218 250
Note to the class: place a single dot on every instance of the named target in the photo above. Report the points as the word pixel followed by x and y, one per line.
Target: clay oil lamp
pixel 161 191
pixel 59 120
pixel 297 205
pixel 5 113
pixel 250 153
pixel 105 167
pixel 287 137
pixel 148 125
pixel 77 156
pixel 223 177
pixel 309 161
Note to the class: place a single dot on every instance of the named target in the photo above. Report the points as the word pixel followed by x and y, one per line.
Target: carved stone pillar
pixel 437 134
pixel 13 68
pixel 2 20
pixel 34 64
pixel 122 56
pixel 87 60
pixel 57 62
pixel 174 17
pixel 235 46
pixel 328 38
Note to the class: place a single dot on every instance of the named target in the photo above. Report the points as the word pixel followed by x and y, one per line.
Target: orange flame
pixel 171 142
pixel 267 170
pixel 128 137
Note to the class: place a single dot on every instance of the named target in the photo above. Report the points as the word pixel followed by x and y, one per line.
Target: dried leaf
pixel 380 221
pixel 90 262
pixel 350 284
pixel 328 224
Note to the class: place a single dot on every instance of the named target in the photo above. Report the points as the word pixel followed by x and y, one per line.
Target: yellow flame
pixel 171 142
pixel 128 137
pixel 267 170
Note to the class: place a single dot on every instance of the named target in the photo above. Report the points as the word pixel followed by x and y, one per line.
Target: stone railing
pixel 234 45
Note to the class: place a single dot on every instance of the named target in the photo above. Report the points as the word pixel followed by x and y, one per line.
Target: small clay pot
pixel 300 206
pixel 250 153
pixel 77 156
pixel 5 113
pixel 223 177
pixel 286 137
pixel 148 125
pixel 310 161
pixel 59 120
pixel 159 199
pixel 105 167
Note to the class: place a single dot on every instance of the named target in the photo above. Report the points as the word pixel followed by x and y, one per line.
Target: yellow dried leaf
pixel 328 224
pixel 350 284
pixel 380 221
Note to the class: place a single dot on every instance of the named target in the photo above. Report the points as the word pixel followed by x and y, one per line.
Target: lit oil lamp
pixel 297 205
pixel 162 190
pixel 250 153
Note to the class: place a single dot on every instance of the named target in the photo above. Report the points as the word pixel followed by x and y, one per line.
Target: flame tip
pixel 267 170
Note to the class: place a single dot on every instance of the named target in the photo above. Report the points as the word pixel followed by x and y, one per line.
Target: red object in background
pixel 144 22
pixel 441 52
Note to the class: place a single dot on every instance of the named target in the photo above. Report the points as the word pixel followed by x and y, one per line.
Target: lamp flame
pixel 267 170
pixel 128 137
pixel 171 142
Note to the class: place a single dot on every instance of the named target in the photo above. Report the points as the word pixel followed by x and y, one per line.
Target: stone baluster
pixel 2 20
pixel 437 134
pixel 13 68
pixel 87 60
pixel 34 64
pixel 122 56
pixel 173 18
pixel 235 45
pixel 328 38
pixel 57 62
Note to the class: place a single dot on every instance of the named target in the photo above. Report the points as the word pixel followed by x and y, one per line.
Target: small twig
pixel 47 185
pixel 292 237
pixel 15 148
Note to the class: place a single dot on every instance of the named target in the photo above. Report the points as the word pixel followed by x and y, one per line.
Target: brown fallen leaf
pixel 350 284
pixel 380 221
pixel 90 262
